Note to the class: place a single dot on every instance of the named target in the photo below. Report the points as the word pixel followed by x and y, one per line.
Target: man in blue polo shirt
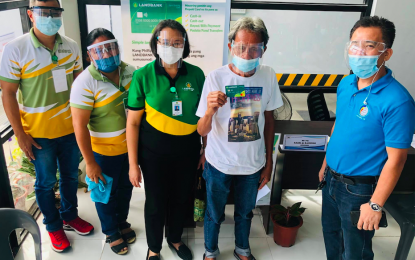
pixel 375 122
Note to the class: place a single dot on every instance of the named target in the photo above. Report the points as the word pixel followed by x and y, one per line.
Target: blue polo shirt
pixel 358 144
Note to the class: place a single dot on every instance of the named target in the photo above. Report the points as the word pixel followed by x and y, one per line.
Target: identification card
pixel 59 79
pixel 125 102
pixel 235 91
pixel 177 108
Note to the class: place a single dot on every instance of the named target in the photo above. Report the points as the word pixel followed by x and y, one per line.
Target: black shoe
pixel 118 248
pixel 251 257
pixel 183 252
pixel 154 257
pixel 129 237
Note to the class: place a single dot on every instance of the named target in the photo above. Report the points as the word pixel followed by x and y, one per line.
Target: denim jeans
pixel 342 240
pixel 217 188
pixel 118 206
pixel 60 153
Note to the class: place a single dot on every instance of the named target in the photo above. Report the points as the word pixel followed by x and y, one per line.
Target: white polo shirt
pixel 106 100
pixel 44 109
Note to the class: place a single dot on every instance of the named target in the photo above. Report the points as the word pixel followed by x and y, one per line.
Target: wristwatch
pixel 375 207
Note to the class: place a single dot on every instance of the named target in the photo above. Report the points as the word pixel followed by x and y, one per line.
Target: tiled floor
pixel 309 243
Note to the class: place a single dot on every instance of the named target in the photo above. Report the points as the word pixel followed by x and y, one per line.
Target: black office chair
pixel 402 209
pixel 12 219
pixel 317 106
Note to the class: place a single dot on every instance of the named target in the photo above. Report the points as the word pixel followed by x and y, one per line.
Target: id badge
pixel 177 107
pixel 125 102
pixel 59 79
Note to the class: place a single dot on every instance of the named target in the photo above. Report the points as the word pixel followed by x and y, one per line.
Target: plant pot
pixel 285 236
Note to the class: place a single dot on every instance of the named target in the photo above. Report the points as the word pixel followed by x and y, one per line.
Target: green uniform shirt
pixel 161 132
pixel 44 109
pixel 93 91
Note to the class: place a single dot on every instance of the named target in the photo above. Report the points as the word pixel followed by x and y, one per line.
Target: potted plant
pixel 286 221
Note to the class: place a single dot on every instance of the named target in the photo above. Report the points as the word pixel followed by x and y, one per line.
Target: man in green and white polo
pixel 41 67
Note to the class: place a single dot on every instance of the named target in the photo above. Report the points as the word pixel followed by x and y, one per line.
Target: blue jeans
pixel 217 188
pixel 118 206
pixel 342 240
pixel 60 153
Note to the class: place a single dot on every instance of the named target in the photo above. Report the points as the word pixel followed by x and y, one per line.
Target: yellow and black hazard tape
pixel 313 80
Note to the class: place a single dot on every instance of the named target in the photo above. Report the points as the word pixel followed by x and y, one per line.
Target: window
pixel 10 30
pixel 305 42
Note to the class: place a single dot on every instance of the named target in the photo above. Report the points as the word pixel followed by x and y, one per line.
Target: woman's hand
pixel 94 172
pixel 202 161
pixel 135 175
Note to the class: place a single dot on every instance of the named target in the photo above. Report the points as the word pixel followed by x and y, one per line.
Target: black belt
pixel 353 180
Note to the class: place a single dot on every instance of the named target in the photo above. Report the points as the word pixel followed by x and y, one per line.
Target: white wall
pixel 402 62
pixel 70 26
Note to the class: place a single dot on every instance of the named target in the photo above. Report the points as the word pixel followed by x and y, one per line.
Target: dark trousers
pixel 343 240
pixel 168 185
pixel 116 210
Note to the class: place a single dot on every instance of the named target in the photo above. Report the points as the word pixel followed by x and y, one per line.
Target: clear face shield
pixel 105 55
pixel 48 20
pixel 246 57
pixel 170 47
pixel 363 50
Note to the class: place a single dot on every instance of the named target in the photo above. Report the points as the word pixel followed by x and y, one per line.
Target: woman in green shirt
pixel 99 120
pixel 162 137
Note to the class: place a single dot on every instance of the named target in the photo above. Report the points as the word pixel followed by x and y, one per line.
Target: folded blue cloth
pixel 100 192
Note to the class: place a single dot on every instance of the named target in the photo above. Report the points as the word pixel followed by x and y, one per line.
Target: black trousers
pixel 168 185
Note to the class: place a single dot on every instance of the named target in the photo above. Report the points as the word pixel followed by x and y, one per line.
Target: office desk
pixel 299 170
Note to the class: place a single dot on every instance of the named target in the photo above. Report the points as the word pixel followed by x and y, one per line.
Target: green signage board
pixel 145 15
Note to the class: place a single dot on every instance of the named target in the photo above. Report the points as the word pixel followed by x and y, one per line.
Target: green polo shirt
pixel 93 91
pixel 162 133
pixel 44 111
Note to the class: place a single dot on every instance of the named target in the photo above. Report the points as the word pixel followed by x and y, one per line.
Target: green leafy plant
pixel 287 217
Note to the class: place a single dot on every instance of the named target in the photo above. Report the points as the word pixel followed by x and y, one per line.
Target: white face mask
pixel 170 55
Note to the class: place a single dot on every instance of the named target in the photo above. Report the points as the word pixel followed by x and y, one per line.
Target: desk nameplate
pixel 304 143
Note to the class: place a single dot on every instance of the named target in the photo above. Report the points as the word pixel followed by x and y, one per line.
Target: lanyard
pixel 174 90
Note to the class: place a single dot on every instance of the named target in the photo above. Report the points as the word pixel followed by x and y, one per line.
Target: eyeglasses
pixel 365 47
pixel 253 50
pixel 174 42
pixel 45 11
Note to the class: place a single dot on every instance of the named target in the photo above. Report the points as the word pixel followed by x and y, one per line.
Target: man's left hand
pixel 202 161
pixel 369 219
pixel 265 175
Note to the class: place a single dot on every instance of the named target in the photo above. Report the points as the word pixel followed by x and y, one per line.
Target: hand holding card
pixel 215 100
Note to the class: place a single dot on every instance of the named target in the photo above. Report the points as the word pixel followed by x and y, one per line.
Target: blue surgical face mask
pixel 108 65
pixel 48 25
pixel 364 66
pixel 245 65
